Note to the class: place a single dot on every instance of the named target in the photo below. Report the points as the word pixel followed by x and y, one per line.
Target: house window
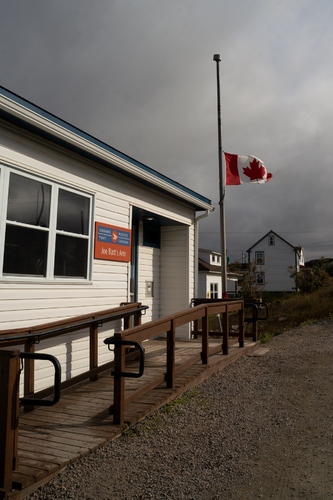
pixel 215 259
pixel 260 258
pixel 214 290
pixel 271 240
pixel 151 234
pixel 260 278
pixel 47 228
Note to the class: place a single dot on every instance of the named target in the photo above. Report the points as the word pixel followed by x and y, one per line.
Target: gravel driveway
pixel 260 428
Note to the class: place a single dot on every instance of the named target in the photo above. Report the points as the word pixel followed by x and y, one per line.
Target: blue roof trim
pixel 49 116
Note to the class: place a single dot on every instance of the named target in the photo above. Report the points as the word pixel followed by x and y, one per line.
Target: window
pixel 271 240
pixel 260 258
pixel 47 228
pixel 151 234
pixel 214 290
pixel 260 278
pixel 216 259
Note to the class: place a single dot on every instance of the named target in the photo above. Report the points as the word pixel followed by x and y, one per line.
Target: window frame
pixel 258 259
pixel 214 290
pixel 271 240
pixel 5 171
pixel 260 278
pixel 151 227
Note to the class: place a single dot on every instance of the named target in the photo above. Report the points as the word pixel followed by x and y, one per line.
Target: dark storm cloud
pixel 141 77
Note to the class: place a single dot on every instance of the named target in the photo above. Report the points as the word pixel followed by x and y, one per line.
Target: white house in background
pixel 273 255
pixel 85 227
pixel 209 281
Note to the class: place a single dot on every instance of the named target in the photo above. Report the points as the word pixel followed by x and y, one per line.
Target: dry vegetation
pixel 296 309
pixel 288 311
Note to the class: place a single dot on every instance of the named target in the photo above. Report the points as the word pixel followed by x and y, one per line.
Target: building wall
pixel 35 301
pixel 205 279
pixel 149 270
pixel 202 285
pixel 177 267
pixel 277 260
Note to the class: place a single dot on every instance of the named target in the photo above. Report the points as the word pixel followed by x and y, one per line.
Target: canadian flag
pixel 244 169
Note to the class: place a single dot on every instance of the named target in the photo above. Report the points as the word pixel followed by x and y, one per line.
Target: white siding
pixel 175 271
pixel 113 196
pixel 171 268
pixel 278 258
pixel 149 270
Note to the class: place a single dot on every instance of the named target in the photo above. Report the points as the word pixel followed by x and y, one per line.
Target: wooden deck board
pixel 52 437
pixel 59 437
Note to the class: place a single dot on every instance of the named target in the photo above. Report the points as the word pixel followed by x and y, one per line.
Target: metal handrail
pixel 57 379
pixel 115 341
pixel 266 306
pixel 255 308
pixel 259 304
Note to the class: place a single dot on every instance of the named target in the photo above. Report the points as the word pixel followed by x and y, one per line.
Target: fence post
pixel 29 376
pixel 171 362
pixel 119 386
pixel 93 349
pixel 137 317
pixel 9 410
pixel 225 330
pixel 205 337
pixel 254 326
pixel 195 328
pixel 241 326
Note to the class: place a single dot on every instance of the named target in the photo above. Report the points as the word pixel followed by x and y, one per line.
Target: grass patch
pixel 295 309
pixel 159 421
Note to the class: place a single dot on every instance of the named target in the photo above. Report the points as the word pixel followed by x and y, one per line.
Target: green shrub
pixel 329 268
pixel 310 280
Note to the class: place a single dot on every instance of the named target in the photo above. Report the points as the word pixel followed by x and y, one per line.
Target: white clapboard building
pixel 273 257
pixel 210 280
pixel 84 228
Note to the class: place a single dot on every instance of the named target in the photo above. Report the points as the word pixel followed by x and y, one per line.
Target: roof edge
pixel 265 236
pixel 32 115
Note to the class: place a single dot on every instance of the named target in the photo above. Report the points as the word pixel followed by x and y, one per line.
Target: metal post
pixel 217 58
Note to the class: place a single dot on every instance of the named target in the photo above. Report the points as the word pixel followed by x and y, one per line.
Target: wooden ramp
pixel 52 437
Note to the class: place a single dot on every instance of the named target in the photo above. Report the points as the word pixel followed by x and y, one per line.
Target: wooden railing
pixel 169 325
pixel 254 310
pixel 10 362
pixel 10 373
pixel 9 409
pixel 36 334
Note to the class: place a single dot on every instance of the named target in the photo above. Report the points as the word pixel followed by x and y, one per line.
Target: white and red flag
pixel 245 169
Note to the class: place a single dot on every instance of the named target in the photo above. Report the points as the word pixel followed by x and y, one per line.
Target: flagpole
pixel 217 58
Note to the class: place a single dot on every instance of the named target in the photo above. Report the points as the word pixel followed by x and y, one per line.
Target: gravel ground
pixel 260 428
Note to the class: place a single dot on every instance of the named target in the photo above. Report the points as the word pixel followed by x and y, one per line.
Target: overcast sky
pixel 139 75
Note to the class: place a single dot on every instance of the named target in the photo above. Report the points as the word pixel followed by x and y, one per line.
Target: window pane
pixel 259 257
pixel 73 213
pixel 151 235
pixel 25 251
pixel 28 201
pixel 71 256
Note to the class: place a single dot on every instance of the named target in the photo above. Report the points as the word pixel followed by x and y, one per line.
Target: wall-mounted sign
pixel 112 242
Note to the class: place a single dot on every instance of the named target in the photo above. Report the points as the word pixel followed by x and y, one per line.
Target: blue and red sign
pixel 112 243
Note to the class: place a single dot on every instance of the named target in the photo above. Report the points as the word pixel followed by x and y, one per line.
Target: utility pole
pixel 217 59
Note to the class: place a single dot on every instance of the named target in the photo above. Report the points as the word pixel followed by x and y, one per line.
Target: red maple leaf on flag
pixel 254 172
